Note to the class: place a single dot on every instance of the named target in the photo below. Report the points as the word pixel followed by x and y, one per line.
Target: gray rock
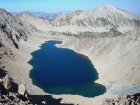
pixel 43 102
pixel 122 101
pixel 12 95
pixel 7 82
pixel 127 103
pixel 0 80
pixel 132 97
pixel 22 102
pixel 16 104
pixel 133 102
pixel 138 100
pixel 21 89
pixel 26 95
pixel 110 103
pixel 117 99
pixel 105 103
pixel 3 79
pixel 123 97
pixel 116 103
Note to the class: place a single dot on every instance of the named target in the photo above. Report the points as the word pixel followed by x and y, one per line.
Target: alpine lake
pixel 63 71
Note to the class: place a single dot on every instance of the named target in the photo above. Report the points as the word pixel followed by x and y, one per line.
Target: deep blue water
pixel 63 71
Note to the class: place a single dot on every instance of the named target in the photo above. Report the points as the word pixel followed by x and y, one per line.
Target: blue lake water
pixel 63 71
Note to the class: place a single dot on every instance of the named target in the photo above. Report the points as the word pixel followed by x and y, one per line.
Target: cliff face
pixel 11 26
pixel 12 32
pixel 14 28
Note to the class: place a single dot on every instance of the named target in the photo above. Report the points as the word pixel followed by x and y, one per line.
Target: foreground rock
pixel 124 100
pixel 6 82
pixel 21 89
pixel 9 96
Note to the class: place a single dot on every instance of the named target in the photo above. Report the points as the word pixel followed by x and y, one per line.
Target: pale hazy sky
pixel 67 5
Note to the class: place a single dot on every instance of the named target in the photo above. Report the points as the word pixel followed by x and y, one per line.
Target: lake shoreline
pixel 78 71
pixel 21 73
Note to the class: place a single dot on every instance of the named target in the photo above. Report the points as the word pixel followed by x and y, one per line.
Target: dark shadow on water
pixel 63 71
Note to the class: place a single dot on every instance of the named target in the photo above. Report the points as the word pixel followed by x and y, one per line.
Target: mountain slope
pixel 48 16
pixel 12 28
pixel 104 18
pixel 17 40
pixel 12 32
pixel 41 24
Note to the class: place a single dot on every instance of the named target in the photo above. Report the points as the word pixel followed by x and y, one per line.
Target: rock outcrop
pixel 6 82
pixel 123 100
pixel 13 32
pixel 13 28
pixel 21 89
pixel 9 96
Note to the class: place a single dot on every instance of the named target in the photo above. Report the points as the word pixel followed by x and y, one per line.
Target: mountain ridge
pixel 37 22
pixel 101 19
pixel 50 16
pixel 107 17
pixel 114 50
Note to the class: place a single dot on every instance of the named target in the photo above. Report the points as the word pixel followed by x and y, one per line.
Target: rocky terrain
pixel 44 15
pixel 101 19
pixel 123 100
pixel 110 39
pixel 12 96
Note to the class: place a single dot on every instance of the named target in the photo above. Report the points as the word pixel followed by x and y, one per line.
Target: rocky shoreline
pixel 13 94
pixel 18 96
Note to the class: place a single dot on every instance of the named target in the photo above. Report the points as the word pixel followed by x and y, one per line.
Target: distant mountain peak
pixel 107 6
pixel 25 13
pixel 105 16
pixel 61 16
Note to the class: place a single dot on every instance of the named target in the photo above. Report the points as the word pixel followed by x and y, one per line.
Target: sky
pixel 67 5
